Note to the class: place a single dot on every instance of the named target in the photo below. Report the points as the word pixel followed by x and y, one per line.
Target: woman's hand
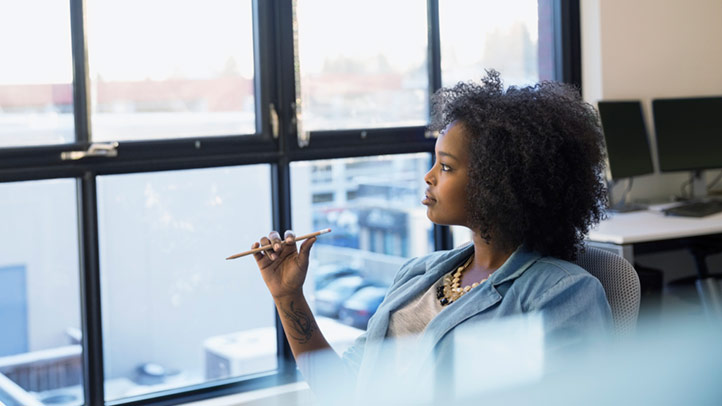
pixel 283 267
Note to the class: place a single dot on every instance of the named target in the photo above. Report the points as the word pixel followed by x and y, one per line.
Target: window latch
pixel 303 136
pixel 107 150
pixel 274 120
pixel 431 134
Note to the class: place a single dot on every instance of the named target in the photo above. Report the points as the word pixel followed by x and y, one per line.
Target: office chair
pixel 620 282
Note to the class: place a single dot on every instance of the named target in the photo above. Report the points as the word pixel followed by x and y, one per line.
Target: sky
pixel 127 40
pixel 158 39
pixel 35 46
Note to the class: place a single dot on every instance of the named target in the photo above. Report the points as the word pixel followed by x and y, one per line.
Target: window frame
pixel 274 83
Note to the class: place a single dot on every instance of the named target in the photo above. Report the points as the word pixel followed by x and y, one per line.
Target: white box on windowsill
pixel 240 353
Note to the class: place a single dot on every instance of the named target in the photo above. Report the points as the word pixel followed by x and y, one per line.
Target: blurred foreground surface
pixel 675 362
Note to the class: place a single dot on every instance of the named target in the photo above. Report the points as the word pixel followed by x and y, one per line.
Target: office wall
pixel 644 49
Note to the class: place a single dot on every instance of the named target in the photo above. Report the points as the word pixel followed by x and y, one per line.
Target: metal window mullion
pixel 285 93
pixel 567 42
pixel 264 61
pixel 434 47
pixel 81 95
pixel 281 201
pixel 442 234
pixel 93 372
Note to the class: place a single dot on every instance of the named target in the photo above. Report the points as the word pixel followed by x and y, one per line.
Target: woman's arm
pixel 284 270
pixel 299 324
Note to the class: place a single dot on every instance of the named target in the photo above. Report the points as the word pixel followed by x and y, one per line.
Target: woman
pixel 521 168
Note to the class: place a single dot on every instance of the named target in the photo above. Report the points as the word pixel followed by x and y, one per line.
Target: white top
pixel 414 316
pixel 408 322
pixel 652 225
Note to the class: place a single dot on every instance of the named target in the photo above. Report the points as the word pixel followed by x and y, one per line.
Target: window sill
pixel 295 394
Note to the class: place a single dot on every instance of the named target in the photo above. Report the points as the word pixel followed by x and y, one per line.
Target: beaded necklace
pixel 451 290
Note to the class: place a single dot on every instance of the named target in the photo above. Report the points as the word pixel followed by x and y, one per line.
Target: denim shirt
pixel 571 301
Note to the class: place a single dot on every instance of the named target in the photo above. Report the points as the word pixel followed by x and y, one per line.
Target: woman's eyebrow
pixel 443 153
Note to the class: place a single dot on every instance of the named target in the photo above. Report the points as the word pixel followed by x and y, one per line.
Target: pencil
pixel 267 247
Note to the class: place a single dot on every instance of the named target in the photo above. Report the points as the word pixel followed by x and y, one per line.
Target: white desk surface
pixel 652 225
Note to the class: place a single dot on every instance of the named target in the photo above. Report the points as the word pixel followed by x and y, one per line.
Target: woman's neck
pixel 487 257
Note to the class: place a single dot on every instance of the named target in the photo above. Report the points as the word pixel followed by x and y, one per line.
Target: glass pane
pixel 373 206
pixel 36 73
pixel 40 333
pixel 363 63
pixel 460 235
pixel 179 68
pixel 175 312
pixel 508 36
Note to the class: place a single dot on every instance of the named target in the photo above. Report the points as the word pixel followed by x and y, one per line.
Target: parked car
pixel 325 274
pixel 358 309
pixel 329 299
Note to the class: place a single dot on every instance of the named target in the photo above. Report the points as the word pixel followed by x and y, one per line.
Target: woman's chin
pixel 435 219
pixel 439 221
pixel 430 215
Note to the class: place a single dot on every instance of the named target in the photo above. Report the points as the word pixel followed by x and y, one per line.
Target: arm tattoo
pixel 301 323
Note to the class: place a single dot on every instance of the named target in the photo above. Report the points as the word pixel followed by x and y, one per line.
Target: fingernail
pixel 276 247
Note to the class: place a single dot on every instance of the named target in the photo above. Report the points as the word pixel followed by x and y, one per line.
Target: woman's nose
pixel 429 177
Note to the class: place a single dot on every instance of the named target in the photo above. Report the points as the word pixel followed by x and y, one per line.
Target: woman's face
pixel 447 180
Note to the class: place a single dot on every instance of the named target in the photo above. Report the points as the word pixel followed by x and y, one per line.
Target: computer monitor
pixel 626 137
pixel 689 133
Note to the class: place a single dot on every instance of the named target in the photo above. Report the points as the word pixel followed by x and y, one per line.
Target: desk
pixel 650 230
pixel 630 234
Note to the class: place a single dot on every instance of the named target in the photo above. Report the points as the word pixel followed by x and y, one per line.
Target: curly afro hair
pixel 536 173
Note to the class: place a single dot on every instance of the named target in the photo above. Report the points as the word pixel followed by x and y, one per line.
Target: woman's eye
pixel 445 167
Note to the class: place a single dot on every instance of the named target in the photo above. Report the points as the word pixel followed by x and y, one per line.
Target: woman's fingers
pixel 287 247
pixel 275 240
pixel 289 239
pixel 276 245
pixel 261 260
pixel 279 248
pixel 274 236
pixel 306 249
pixel 263 242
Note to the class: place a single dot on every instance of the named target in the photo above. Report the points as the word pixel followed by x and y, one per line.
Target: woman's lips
pixel 428 200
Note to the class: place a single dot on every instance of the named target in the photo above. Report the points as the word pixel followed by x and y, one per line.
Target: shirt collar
pixel 515 265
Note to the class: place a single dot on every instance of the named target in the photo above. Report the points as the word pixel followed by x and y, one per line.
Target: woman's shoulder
pixel 549 273
pixel 556 284
pixel 561 267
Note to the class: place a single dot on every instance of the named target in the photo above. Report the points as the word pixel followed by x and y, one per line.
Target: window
pixel 368 73
pixel 372 235
pixel 163 240
pixel 40 351
pixel 181 73
pixel 486 34
pixel 36 92
pixel 141 143
pixel 512 37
